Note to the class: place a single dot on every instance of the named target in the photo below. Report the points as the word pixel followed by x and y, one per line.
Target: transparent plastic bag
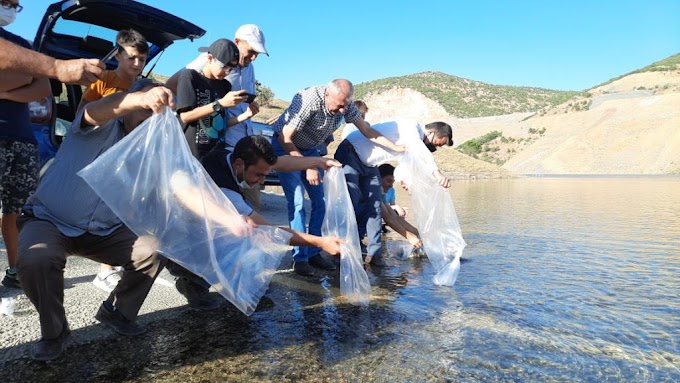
pixel 341 222
pixel 434 213
pixel 399 249
pixel 152 182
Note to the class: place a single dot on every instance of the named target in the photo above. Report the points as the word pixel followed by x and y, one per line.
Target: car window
pixel 78 29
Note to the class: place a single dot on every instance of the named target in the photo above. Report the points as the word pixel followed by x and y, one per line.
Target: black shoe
pixel 198 297
pixel 303 268
pixel 117 322
pixel 265 304
pixel 11 280
pixel 376 261
pixel 384 229
pixel 320 262
pixel 45 350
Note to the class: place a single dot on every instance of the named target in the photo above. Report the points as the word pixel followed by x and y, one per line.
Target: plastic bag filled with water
pixel 341 222
pixel 434 213
pixel 153 183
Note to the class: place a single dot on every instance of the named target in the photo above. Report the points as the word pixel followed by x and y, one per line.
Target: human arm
pixel 329 244
pixel 250 111
pixel 400 225
pixel 28 62
pixel 38 89
pixel 13 80
pixel 399 210
pixel 119 104
pixel 292 163
pixel 188 114
pixel 442 180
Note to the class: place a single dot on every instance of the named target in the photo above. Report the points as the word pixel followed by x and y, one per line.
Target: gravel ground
pixel 82 299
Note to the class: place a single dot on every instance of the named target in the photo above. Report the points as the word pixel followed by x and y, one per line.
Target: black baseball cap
pixel 223 50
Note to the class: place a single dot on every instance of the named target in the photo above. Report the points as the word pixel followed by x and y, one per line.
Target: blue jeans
pixel 294 185
pixel 363 183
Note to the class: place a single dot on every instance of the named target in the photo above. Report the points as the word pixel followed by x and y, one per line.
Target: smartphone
pixel 251 98
pixel 110 55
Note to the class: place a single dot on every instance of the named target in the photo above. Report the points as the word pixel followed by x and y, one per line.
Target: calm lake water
pixel 563 279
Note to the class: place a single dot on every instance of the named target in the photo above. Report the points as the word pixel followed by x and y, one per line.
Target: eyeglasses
pixel 222 65
pixel 8 5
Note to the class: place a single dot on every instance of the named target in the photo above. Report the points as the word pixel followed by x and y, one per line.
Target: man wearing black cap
pixel 202 98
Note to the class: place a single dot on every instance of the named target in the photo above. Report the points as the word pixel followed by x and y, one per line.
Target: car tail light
pixel 41 111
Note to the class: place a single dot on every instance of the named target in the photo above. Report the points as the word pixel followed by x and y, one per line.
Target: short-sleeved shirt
pixel 240 79
pixel 390 196
pixel 63 197
pixel 194 90
pixel 312 121
pixel 15 122
pixel 109 84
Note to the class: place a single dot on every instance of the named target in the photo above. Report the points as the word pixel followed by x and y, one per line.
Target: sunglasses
pixel 7 5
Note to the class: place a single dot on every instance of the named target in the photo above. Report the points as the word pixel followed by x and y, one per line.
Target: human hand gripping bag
pixel 434 213
pixel 341 222
pixel 153 183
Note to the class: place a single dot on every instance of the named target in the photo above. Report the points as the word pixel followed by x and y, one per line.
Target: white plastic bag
pixel 7 306
pixel 435 215
pixel 341 222
pixel 152 182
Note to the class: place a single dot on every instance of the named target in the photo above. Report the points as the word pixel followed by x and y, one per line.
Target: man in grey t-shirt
pixel 66 217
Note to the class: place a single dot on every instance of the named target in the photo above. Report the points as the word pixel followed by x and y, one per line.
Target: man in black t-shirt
pixel 252 159
pixel 203 96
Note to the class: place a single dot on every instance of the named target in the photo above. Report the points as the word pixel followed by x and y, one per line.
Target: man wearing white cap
pixel 250 42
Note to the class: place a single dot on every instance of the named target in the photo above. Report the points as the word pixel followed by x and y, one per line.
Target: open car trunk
pixel 64 32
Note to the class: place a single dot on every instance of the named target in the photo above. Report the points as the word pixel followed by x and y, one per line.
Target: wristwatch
pixel 217 107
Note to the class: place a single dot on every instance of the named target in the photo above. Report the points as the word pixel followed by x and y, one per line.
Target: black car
pixel 266 131
pixel 87 29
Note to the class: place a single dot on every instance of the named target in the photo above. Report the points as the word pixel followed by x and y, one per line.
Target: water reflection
pixel 563 280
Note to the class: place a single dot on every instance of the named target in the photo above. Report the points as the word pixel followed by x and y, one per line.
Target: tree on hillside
pixel 264 94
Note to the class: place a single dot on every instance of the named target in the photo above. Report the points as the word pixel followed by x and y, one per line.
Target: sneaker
pixel 304 269
pixel 198 297
pixel 49 349
pixel 117 322
pixel 107 280
pixel 320 262
pixel 11 279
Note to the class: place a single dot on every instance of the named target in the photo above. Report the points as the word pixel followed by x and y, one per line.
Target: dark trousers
pixel 363 183
pixel 42 258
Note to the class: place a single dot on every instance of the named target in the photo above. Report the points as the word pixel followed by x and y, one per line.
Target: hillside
pixel 628 125
pixel 465 98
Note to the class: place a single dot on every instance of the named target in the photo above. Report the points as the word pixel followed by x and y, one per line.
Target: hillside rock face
pixel 631 127
pixel 638 135
pixel 407 103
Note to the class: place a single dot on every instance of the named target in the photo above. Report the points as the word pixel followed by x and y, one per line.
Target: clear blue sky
pixel 558 45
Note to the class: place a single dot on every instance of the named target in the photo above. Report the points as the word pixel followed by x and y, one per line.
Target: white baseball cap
pixel 253 35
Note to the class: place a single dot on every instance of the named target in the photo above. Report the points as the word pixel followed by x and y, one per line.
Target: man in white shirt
pixel 360 159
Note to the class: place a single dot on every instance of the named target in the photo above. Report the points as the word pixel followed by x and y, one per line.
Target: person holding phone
pixel 130 52
pixel 250 41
